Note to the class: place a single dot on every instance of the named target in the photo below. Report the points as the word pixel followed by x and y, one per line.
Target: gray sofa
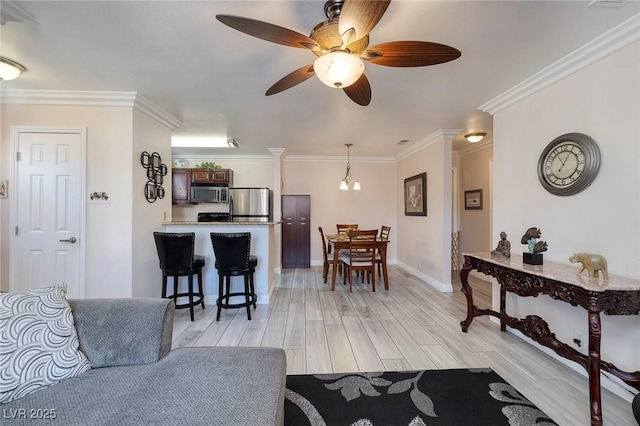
pixel 136 379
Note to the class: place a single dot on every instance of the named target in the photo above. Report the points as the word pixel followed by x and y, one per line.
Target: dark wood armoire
pixel 296 231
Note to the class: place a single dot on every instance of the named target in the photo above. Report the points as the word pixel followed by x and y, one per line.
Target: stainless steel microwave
pixel 209 194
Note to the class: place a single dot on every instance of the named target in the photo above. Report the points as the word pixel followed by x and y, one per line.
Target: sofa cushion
pixel 38 342
pixel 116 332
pixel 229 386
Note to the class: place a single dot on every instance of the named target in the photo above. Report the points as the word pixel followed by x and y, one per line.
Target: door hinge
pixel 18 157
pixel 16 230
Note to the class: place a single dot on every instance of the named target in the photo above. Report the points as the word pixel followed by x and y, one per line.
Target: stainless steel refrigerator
pixel 251 204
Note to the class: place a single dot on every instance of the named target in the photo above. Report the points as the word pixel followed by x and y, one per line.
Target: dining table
pixel 341 241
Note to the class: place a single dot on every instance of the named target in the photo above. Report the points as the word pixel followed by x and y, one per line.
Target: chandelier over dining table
pixel 346 182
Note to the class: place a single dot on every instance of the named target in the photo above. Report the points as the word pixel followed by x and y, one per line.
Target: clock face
pixel 564 164
pixel 569 164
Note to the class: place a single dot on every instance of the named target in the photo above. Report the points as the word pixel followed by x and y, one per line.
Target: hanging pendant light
pixel 344 183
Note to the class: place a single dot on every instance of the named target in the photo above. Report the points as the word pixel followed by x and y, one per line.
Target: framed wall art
pixel 415 195
pixel 473 199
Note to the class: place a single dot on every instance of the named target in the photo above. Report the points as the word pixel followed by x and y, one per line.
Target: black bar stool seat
pixel 233 259
pixel 175 253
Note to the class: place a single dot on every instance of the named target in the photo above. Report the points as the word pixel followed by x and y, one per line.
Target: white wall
pixel 151 136
pixel 424 246
pixel 602 101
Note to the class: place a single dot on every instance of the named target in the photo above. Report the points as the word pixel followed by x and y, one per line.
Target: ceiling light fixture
pixel 338 69
pixel 475 137
pixel 10 69
pixel 344 183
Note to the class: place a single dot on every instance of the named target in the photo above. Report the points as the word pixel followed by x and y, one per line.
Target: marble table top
pixel 562 273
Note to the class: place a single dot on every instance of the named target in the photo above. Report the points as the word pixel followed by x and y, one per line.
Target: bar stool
pixel 175 252
pixel 233 259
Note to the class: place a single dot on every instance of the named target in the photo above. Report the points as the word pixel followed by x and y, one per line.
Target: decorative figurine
pixel 504 246
pixel 535 247
pixel 592 263
pixel 530 238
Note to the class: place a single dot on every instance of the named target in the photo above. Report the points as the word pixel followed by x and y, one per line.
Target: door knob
pixel 70 240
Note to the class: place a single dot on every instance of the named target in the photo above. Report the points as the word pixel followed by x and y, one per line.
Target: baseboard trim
pixel 607 381
pixel 444 288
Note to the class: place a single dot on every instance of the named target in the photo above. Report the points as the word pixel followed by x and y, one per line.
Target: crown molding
pixel 89 98
pixel 480 146
pixel 11 12
pixel 144 105
pixel 340 159
pixel 205 157
pixel 610 42
pixel 437 136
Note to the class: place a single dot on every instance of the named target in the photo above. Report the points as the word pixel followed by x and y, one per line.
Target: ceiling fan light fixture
pixel 10 69
pixel 475 137
pixel 338 69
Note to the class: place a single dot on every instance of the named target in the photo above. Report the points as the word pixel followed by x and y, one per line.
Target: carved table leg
pixel 503 307
pixel 466 289
pixel 593 366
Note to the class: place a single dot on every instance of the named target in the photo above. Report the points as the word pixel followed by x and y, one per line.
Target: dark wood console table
pixel 614 296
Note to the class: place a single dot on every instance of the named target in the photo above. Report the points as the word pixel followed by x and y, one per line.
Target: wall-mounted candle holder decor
pixel 98 197
pixel 155 174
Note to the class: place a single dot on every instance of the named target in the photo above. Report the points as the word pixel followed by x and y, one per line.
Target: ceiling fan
pixel 341 44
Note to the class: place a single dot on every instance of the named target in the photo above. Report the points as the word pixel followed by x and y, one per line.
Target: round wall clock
pixel 569 164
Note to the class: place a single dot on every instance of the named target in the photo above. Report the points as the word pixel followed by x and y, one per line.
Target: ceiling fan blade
pixel 410 54
pixel 362 16
pixel 292 79
pixel 269 32
pixel 360 91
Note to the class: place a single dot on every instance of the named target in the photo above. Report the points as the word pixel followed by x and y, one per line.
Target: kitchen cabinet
pixel 213 176
pixel 180 186
pixel 296 231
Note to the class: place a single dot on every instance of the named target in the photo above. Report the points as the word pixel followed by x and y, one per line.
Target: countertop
pixel 563 273
pixel 195 222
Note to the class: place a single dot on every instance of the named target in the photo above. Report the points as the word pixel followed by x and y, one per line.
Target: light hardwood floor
pixel 412 326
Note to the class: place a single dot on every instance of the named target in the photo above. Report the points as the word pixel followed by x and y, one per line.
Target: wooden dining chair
pixel 361 256
pixel 325 257
pixel 342 229
pixel 384 235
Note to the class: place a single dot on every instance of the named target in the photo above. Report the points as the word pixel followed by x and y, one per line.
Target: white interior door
pixel 48 215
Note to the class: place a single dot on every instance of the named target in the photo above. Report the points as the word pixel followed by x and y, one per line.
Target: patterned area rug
pixel 476 397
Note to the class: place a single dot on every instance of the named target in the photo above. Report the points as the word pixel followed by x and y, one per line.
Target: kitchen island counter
pixel 263 246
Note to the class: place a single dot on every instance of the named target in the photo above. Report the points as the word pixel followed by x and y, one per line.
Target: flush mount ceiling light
pixel 344 183
pixel 475 137
pixel 202 142
pixel 338 69
pixel 10 69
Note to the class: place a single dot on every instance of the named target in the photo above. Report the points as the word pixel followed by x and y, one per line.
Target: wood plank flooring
pixel 410 326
